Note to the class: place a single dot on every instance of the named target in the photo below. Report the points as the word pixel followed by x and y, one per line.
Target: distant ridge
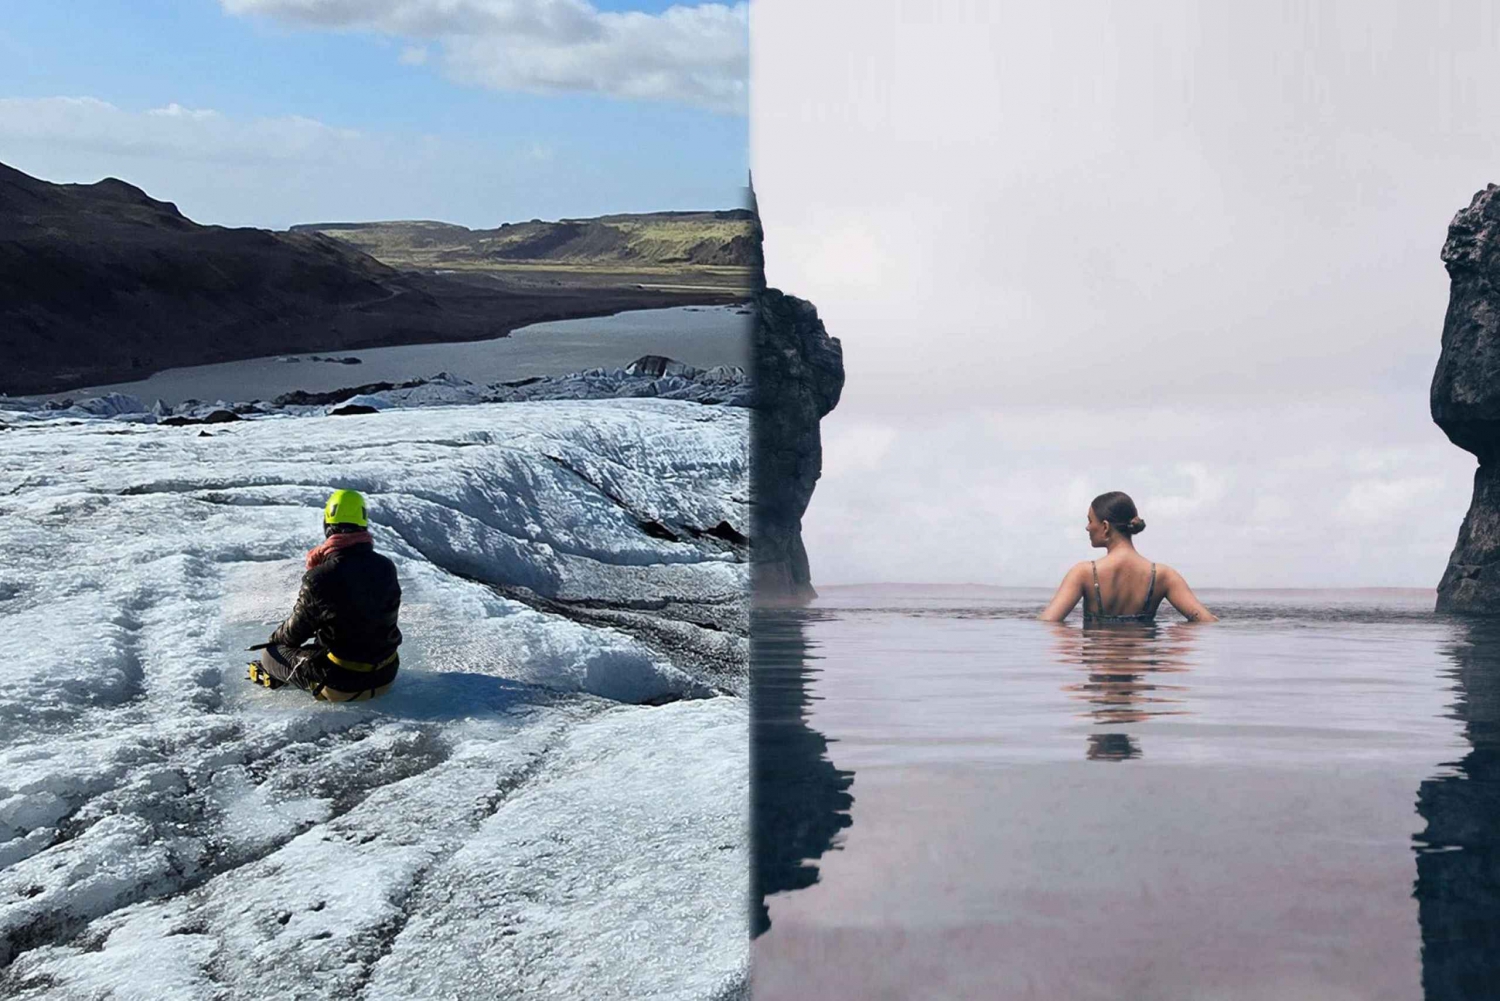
pixel 679 239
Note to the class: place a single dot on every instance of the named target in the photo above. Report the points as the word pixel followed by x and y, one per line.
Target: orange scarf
pixel 333 544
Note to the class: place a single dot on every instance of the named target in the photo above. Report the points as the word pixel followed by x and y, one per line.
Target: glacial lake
pixel 954 800
pixel 697 335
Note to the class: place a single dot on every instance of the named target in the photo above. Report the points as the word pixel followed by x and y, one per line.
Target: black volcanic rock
pixel 1466 399
pixel 303 398
pixel 214 417
pixel 659 365
pixel 103 283
pixel 798 376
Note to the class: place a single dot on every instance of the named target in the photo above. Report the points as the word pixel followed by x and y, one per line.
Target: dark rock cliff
pixel 798 376
pixel 1466 399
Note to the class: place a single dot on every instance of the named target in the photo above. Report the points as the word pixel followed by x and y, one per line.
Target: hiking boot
pixel 261 676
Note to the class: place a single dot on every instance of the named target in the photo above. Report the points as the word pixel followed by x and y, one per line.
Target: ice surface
pixel 519 817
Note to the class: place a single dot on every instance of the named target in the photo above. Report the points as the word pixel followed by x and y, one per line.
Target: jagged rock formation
pixel 102 283
pixel 1466 399
pixel 798 376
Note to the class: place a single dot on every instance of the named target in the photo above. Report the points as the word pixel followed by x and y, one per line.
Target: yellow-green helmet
pixel 345 507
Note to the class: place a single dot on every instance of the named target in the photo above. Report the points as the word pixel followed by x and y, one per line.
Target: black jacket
pixel 349 602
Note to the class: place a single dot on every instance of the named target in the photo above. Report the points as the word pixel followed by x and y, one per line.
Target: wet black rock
pixel 1466 399
pixel 213 417
pixel 798 376
pixel 302 398
pixel 657 366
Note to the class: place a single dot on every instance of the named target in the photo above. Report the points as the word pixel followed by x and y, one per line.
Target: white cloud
pixel 413 55
pixel 193 134
pixel 1396 502
pixel 1271 510
pixel 175 110
pixel 287 169
pixel 998 496
pixel 1204 489
pixel 695 55
pixel 860 446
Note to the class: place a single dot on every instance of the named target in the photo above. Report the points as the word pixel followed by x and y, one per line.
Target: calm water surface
pixel 954 800
pixel 698 335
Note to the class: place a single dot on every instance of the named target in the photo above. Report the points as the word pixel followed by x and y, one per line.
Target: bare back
pixel 1127 587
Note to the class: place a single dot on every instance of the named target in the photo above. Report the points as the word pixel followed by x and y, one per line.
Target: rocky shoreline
pixel 648 376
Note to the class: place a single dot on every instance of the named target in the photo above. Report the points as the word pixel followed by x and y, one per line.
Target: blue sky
pixel 293 110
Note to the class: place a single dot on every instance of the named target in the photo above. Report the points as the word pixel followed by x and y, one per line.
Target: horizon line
pixel 1206 587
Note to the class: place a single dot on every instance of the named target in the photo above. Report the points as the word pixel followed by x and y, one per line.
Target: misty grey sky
pixel 1187 253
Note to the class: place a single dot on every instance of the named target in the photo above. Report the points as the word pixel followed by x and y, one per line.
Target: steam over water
pixel 1300 801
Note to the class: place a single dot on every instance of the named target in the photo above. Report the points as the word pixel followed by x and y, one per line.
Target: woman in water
pixel 1124 586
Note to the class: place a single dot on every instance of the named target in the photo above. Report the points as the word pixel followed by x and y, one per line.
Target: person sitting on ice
pixel 348 605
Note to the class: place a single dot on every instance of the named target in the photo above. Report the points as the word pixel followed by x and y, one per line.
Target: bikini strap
pixel 1150 590
pixel 1098 598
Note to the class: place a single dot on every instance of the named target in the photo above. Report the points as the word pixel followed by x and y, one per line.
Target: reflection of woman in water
pixel 1123 586
pixel 1127 674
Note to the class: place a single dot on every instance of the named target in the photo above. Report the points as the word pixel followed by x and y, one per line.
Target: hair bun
pixel 1136 525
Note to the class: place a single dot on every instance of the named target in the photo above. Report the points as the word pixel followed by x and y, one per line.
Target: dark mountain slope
pixel 101 283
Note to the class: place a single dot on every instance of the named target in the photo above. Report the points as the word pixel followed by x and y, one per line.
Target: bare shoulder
pixel 1076 575
pixel 1167 574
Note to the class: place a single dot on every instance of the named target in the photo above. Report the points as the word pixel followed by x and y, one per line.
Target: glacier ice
pixel 549 803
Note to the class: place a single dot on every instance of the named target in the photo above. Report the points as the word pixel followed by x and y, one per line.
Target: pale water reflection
pixel 1302 801
pixel 1125 670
